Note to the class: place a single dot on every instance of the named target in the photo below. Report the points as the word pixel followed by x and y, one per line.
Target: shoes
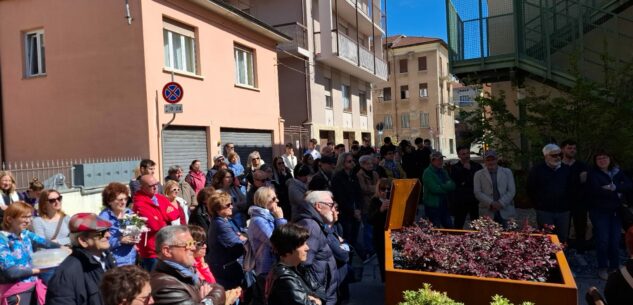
pixel 580 259
pixel 603 274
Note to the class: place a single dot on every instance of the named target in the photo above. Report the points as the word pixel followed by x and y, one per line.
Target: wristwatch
pixel 207 301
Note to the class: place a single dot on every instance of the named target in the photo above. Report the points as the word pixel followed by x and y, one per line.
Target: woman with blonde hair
pixel 178 209
pixel 52 222
pixel 8 195
pixel 266 215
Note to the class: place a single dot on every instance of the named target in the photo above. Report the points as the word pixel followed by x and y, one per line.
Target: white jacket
pixel 484 192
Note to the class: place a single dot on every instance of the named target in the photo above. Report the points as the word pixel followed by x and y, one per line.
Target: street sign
pixel 173 108
pixel 173 92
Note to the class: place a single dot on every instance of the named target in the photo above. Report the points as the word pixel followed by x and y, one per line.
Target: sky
pixel 417 18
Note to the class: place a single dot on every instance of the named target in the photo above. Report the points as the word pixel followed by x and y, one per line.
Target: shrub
pixel 427 296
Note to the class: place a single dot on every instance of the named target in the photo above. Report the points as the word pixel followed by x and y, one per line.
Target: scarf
pixel 188 272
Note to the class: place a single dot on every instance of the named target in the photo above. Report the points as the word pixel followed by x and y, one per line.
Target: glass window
pixel 424 120
pixel 328 92
pixel 362 101
pixel 422 63
pixel 424 90
pixel 386 94
pixel 347 97
pixel 244 67
pixel 179 47
pixel 404 92
pixel 34 47
pixel 403 66
pixel 404 120
pixel 388 123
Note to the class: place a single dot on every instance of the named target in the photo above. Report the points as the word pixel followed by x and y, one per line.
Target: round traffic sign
pixel 173 92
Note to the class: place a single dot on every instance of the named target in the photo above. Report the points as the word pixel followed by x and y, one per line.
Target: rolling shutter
pixel 182 145
pixel 246 141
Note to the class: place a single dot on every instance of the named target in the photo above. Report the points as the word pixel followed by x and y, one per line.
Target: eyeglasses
pixel 273 199
pixel 558 155
pixel 175 190
pixel 256 158
pixel 52 200
pixel 329 204
pixel 200 244
pixel 100 234
pixel 155 185
pixel 227 206
pixel 188 244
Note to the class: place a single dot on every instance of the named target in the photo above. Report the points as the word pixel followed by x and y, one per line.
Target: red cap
pixel 87 222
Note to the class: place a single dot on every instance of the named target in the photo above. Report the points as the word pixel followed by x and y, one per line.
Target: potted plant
pixel 427 296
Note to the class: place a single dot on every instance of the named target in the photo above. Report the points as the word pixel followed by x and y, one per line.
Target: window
pixel 347 96
pixel 424 120
pixel 328 92
pixel 422 63
pixel 179 47
pixel 386 94
pixel 362 101
pixel 388 123
pixel 404 92
pixel 244 67
pixel 403 66
pixel 424 90
pixel 404 120
pixel 450 146
pixel 34 57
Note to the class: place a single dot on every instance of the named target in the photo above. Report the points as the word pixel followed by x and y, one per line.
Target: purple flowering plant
pixel 488 251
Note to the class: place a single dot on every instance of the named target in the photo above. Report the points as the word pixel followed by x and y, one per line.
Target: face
pixel 229 148
pixel 226 210
pixel 218 162
pixel 301 254
pixel 5 183
pixel 325 207
pixel 118 204
pixel 201 249
pixel 569 151
pixel 326 167
pixel 280 164
pixel 271 201
pixel 148 170
pixel 349 163
pixel 311 145
pixel 389 155
pixel 149 185
pixel 290 151
pixel 367 165
pixel 21 223
pixel 227 180
pixel 382 192
pixel 54 201
pixel 464 155
pixel 181 251
pixel 553 159
pixel 255 161
pixel 437 162
pixel 196 166
pixel 96 241
pixel 145 297
pixel 260 179
pixel 174 191
pixel 603 162
pixel 178 175
pixel 491 163
pixel 366 143
pixel 233 159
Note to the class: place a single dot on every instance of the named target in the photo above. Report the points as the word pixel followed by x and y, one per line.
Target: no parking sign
pixel 173 92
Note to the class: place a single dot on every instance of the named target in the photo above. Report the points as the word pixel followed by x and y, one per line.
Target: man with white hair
pixel 320 264
pixel 549 189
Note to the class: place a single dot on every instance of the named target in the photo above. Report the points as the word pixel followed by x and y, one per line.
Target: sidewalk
pixel 369 290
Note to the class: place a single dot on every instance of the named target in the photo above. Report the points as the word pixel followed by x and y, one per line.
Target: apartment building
pixel 84 79
pixel 326 72
pixel 416 100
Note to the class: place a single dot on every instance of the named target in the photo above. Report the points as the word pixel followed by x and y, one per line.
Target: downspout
pixel 2 136
pixel 357 35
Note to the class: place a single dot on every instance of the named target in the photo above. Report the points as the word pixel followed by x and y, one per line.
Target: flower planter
pixel 471 290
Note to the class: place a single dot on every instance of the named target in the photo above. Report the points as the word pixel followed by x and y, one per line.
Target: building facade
pixel 416 100
pixel 85 79
pixel 326 73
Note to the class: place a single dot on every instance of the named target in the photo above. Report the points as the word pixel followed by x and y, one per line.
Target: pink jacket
pixel 7 290
pixel 196 180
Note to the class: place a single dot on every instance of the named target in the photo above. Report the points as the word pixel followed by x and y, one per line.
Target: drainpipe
pixel 2 137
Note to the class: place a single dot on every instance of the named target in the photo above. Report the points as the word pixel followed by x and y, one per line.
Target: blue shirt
pixel 124 254
pixel 16 264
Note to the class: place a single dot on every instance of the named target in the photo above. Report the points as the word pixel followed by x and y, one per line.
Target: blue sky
pixel 417 18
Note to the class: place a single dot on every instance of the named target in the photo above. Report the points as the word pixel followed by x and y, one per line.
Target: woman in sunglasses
pixel 178 209
pixel 200 237
pixel 281 174
pixel 378 208
pixel 265 216
pixel 52 222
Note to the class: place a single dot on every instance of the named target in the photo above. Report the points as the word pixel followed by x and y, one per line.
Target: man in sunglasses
pixel 77 279
pixel 549 189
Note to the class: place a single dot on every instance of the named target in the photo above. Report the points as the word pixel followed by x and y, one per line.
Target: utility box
pixel 90 175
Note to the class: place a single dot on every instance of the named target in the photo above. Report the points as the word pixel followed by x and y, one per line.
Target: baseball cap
pixel 87 222
pixel 550 148
pixel 490 154
pixel 436 155
pixel 218 157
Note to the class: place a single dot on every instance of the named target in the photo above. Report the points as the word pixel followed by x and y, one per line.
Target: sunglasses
pixel 175 190
pixel 190 244
pixel 255 159
pixel 227 206
pixel 52 200
pixel 200 244
pixel 273 199
pixel 558 155
pixel 100 234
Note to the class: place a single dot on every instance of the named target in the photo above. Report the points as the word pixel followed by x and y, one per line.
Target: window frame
pixel 362 102
pixel 404 92
pixel 388 122
pixel 327 89
pixel 405 120
pixel 424 118
pixel 40 48
pixel 186 36
pixel 422 59
pixel 425 87
pixel 251 74
pixel 406 65
pixel 384 95
pixel 346 94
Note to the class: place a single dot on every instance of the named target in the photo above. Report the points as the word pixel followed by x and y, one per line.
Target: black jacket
pixel 618 291
pixel 288 287
pixel 76 281
pixel 170 286
pixel 200 217
pixel 347 194
pixel 549 189
pixel 464 194
pixel 605 200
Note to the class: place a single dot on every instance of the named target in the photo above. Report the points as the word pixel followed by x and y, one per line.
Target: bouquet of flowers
pixel 133 225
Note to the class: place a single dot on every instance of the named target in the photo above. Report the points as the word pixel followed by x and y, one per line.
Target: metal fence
pixel 52 173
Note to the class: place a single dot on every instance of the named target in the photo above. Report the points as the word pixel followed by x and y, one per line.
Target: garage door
pixel 246 141
pixel 181 145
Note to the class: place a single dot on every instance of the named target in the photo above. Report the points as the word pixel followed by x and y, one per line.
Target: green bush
pixel 427 296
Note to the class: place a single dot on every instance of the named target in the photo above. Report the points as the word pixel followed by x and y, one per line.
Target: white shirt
pixel 290 161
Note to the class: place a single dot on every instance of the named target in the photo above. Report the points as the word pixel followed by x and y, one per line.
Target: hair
pixel 198 233
pixel 111 191
pixel 167 235
pixel 204 195
pixel 174 169
pixel 302 170
pixel 253 154
pixel 275 160
pixel 192 163
pixel 145 163
pixel 216 181
pixel 463 147
pixel 169 185
pixel 339 146
pixel 567 142
pixel 602 152
pixel 315 196
pixel 10 175
pixel 306 158
pixel 122 285
pixel 43 203
pixel 15 210
pixel 36 185
pixel 366 158
pixel 233 154
pixel 418 140
pixel 313 141
pixel 289 145
pixel 340 163
pixel 383 183
pixel 387 149
pixel 260 198
pixel 387 140
pixel 427 141
pixel 216 202
pixel 288 237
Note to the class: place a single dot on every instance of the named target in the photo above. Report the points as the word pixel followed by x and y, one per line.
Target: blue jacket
pixel 124 254
pixel 320 265
pixel 605 200
pixel 259 231
pixel 224 252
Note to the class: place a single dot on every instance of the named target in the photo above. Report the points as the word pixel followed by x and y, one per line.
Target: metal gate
pixel 181 145
pixel 246 141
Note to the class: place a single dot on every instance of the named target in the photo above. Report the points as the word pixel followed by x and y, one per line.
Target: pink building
pixel 79 79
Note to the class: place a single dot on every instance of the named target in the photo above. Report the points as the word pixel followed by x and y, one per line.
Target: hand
pixel 384 206
pixel 609 187
pixel 36 271
pixel 204 290
pixel 232 295
pixel 357 214
pixel 127 240
pixel 314 300
pixel 277 212
pixel 243 238
pixel 495 206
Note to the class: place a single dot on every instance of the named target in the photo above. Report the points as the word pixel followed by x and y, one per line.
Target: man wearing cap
pixel 324 175
pixel 392 169
pixel 549 189
pixel 494 188
pixel 463 173
pixel 218 162
pixel 437 185
pixel 76 281
pixel 156 208
pixel 174 281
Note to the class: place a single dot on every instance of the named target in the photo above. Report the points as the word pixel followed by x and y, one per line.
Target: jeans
pixel 149 263
pixel 607 228
pixel 439 216
pixel 560 221
pixel 368 235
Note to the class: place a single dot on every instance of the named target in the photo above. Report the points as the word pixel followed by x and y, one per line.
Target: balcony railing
pixel 381 69
pixel 347 48
pixel 366 59
pixel 297 31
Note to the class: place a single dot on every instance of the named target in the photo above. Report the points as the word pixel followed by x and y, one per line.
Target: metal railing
pixel 366 59
pixel 347 48
pixel 297 31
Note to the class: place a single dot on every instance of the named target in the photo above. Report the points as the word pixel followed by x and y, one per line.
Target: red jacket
pixel 157 218
pixel 197 180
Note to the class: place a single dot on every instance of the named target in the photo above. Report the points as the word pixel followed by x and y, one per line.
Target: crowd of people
pixel 251 232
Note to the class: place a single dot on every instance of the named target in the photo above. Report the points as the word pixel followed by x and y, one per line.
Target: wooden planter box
pixel 470 290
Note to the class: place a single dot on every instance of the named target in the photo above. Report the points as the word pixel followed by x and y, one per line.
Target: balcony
pixel 299 43
pixel 346 55
pixel 369 14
